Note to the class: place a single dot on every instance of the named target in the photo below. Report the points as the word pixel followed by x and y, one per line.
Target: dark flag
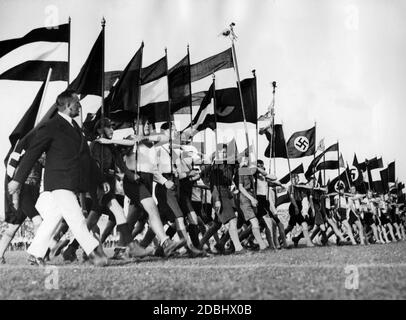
pixel 384 179
pixel 299 169
pixel 205 115
pixel 312 167
pixel 282 198
pixel 320 180
pixel 124 95
pixel 208 66
pixel 356 176
pixel 331 164
pixel 279 147
pixel 391 172
pixel 373 176
pixel 179 85
pixel 29 58
pixel 302 143
pixel 18 140
pixel 89 79
pixel 27 122
pixel 228 106
pixel 339 182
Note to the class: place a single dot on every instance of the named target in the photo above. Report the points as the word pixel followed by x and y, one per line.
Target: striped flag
pixel 30 57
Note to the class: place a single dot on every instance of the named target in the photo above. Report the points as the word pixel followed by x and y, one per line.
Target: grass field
pixel 303 273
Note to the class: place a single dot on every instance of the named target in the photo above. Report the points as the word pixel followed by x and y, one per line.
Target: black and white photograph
pixel 203 151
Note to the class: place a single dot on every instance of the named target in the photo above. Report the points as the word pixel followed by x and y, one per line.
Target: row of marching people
pixel 170 193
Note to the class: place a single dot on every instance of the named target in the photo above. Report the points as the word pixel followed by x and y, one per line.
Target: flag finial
pixel 103 22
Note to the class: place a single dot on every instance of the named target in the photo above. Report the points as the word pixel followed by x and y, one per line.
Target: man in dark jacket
pixel 69 169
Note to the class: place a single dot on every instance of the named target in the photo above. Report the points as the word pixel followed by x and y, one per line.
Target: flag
pixel 356 176
pixel 208 66
pixel 282 197
pixel 321 146
pixel 89 79
pixel 384 179
pixel 302 143
pixel 228 106
pixel 373 174
pixel 124 95
pixel 299 169
pixel 312 167
pixel 279 146
pixel 320 180
pixel 30 57
pixel 180 86
pixel 339 181
pixel 331 164
pixel 18 140
pixel 154 91
pixel 391 172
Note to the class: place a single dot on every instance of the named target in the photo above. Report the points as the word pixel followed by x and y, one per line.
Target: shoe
pixel 34 261
pixel 85 257
pixel 159 252
pixel 241 252
pixel 59 247
pixel 295 241
pixel 69 254
pixel 119 253
pixel 97 259
pixel 2 260
pixel 170 246
pixel 136 251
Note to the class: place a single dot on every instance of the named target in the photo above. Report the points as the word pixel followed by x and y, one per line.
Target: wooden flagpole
pixel 137 126
pixel 233 37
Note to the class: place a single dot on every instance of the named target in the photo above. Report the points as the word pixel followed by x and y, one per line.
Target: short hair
pixel 166 125
pixel 103 123
pixel 64 98
pixel 259 161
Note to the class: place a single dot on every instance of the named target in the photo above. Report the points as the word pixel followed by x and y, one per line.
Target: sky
pixel 339 64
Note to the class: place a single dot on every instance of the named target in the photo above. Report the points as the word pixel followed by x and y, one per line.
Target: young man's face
pixel 352 190
pixel 107 132
pixel 147 128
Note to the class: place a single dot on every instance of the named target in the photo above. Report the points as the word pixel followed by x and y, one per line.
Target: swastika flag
pixel 302 143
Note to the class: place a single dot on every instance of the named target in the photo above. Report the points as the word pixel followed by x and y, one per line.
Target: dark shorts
pixel 185 195
pixel 263 208
pixel 168 204
pixel 106 198
pixel 352 218
pixel 227 210
pixel 319 216
pixel 295 218
pixel 140 190
pixel 384 219
pixel 368 218
pixel 341 214
pixel 28 197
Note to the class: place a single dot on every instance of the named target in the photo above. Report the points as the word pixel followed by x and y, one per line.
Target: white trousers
pixel 64 205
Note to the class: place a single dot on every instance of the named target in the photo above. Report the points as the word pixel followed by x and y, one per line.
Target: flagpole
pixel 273 145
pixel 215 116
pixel 69 22
pixel 103 24
pixel 256 117
pixel 138 108
pixel 315 139
pixel 43 96
pixel 190 92
pixel 233 37
pixel 170 118
pixel 287 157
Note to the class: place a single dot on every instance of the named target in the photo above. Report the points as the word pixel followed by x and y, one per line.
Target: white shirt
pixel 262 186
